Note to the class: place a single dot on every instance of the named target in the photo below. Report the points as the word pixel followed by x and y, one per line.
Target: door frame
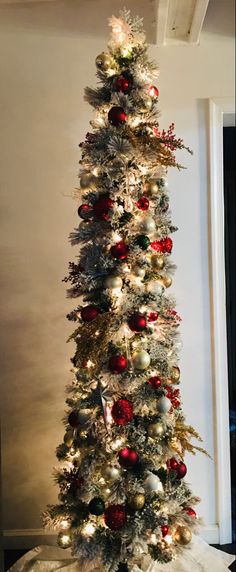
pixel 220 109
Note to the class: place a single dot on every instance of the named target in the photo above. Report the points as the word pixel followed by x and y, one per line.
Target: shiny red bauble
pixel 157 245
pixel 153 91
pixel 155 382
pixel 120 250
pixel 102 207
pixel 89 313
pixel 164 530
pixel 117 364
pixel 73 418
pixel 122 412
pixel 143 203
pixel 137 322
pixel 173 464
pixel 117 116
pixel 115 516
pixel 190 512
pixel 128 458
pixel 121 83
pixel 168 244
pixel 181 470
pixel 85 211
pixel 152 317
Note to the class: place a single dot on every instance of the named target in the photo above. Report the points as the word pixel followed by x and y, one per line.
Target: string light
pixel 65 524
pixel 88 529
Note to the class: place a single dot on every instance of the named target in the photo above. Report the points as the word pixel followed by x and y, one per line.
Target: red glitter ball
pixel 155 382
pixel 121 84
pixel 190 511
pixel 120 250
pixel 157 245
pixel 102 207
pixel 143 203
pixel 115 516
pixel 128 458
pixel 89 313
pixel 168 244
pixel 137 322
pixel 117 116
pixel 152 317
pixel 122 412
pixel 164 530
pixel 117 364
pixel 153 91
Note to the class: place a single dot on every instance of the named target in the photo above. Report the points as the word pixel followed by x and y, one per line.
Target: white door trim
pixel 217 109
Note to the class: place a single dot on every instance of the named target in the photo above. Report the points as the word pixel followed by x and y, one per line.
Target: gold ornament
pixel 104 61
pixel 146 105
pixel 151 187
pixel 183 535
pixel 111 473
pixel 141 360
pixel 167 281
pixel 175 374
pixel 155 429
pixel 69 437
pixel 158 261
pixel 113 282
pixel 87 181
pixel 64 539
pixel 139 271
pixel 137 502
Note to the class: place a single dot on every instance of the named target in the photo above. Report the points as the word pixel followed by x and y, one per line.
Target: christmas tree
pixel 123 500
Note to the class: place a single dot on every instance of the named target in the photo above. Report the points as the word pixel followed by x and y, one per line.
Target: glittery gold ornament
pixel 158 261
pixel 137 501
pixel 151 187
pixel 175 374
pixel 183 535
pixel 155 429
pixel 104 61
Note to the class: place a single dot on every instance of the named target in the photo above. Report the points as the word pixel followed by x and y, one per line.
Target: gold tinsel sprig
pixel 183 434
pixel 92 340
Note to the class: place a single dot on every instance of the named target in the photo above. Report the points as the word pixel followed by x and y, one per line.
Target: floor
pixel 11 556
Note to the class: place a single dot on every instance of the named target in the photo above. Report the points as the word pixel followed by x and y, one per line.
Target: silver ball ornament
pixel 148 225
pixel 152 483
pixel 141 360
pixel 113 282
pixel 164 405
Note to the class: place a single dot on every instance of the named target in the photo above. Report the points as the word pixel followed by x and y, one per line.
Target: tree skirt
pixel 199 557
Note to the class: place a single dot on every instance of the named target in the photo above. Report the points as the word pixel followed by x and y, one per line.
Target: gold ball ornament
pixel 183 535
pixel 151 187
pixel 155 429
pixel 167 281
pixel 175 374
pixel 146 105
pixel 158 261
pixel 69 437
pixel 139 271
pixel 137 501
pixel 113 282
pixel 141 360
pixel 111 473
pixel 87 180
pixel 64 539
pixel 104 61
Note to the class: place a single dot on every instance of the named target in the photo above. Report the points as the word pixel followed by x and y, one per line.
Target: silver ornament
pixel 155 287
pixel 139 271
pixel 141 360
pixel 111 473
pixel 148 225
pixel 152 483
pixel 164 405
pixel 113 282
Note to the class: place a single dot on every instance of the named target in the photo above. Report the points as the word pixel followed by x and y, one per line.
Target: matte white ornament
pixel 155 287
pixel 163 405
pixel 141 359
pixel 152 483
pixel 113 282
pixel 148 225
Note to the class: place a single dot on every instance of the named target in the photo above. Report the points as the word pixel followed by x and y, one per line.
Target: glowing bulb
pixel 108 414
pixel 125 50
pixel 117 443
pixel 65 524
pixel 88 529
pixel 168 539
pixel 153 538
pixel 64 540
pixel 89 363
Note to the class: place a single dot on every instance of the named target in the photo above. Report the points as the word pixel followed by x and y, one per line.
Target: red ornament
pixel 152 317
pixel 85 211
pixel 173 464
pixel 181 470
pixel 115 516
pixel 164 530
pixel 155 382
pixel 117 116
pixel 120 250
pixel 102 207
pixel 122 412
pixel 153 91
pixel 117 364
pixel 73 419
pixel 157 245
pixel 127 458
pixel 143 203
pixel 190 512
pixel 137 322
pixel 121 83
pixel 89 313
pixel 168 244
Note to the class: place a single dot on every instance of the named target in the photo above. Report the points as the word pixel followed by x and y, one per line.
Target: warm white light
pixel 108 414
pixel 125 50
pixel 153 538
pixel 89 363
pixel 88 529
pixel 117 443
pixel 65 540
pixel 65 524
pixel 168 539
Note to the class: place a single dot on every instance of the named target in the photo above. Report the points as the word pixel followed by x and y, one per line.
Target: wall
pixel 47 54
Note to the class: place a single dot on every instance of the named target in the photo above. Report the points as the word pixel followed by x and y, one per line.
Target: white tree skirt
pixel 199 557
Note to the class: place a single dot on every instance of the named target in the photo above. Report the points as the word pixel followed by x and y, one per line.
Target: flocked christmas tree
pixel 123 499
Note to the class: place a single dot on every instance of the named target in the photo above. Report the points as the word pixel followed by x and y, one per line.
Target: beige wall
pixel 47 54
